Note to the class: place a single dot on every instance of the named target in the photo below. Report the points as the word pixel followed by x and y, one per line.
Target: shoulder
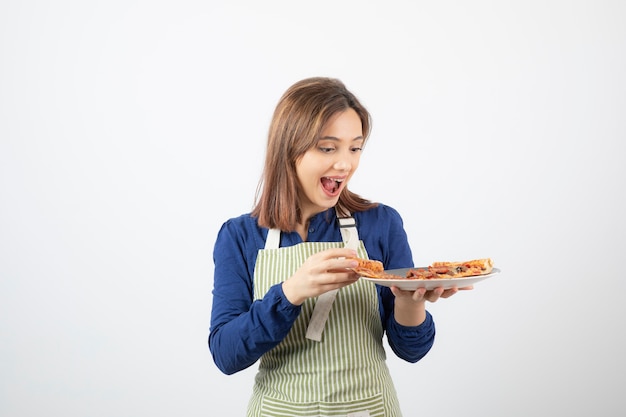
pixel 244 230
pixel 381 222
pixel 381 213
pixel 241 222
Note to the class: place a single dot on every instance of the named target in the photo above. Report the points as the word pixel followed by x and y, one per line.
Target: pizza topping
pixel 421 273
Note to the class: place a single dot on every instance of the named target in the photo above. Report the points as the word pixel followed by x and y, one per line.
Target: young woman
pixel 284 294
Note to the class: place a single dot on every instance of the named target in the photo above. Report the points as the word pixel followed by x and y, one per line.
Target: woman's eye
pixel 356 149
pixel 326 150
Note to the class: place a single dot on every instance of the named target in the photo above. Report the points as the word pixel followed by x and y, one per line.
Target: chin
pixel 331 203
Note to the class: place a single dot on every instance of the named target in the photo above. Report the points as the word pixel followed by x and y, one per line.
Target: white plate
pixel 429 284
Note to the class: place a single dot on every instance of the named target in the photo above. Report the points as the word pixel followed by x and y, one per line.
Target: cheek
pixel 355 163
pixel 305 168
pixel 303 173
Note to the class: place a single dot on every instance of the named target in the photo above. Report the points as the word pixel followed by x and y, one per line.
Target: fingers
pixel 337 253
pixel 330 269
pixel 432 296
pixel 335 260
pixel 417 295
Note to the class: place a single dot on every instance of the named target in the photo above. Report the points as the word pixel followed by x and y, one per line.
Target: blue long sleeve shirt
pixel 243 329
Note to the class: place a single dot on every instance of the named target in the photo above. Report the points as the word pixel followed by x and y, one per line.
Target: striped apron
pixel 344 373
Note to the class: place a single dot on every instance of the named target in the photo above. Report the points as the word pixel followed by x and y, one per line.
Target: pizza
pixel 372 269
pixel 446 270
pixel 368 267
pixel 437 270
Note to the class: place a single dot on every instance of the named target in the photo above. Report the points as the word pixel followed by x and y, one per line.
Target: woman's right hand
pixel 322 272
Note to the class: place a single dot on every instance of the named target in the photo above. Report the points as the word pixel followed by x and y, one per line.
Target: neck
pixel 303 230
pixel 303 227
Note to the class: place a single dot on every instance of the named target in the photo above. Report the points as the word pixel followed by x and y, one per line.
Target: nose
pixel 342 164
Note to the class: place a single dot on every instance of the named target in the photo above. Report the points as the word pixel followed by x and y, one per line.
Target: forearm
pixel 238 339
pixel 411 343
pixel 409 313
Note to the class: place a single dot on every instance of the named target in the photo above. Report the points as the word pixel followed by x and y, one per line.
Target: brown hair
pixel 299 117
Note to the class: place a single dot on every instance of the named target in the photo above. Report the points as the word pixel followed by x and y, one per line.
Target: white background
pixel 131 130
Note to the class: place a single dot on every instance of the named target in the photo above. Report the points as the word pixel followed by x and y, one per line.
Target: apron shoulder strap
pixel 350 236
pixel 349 233
pixel 273 239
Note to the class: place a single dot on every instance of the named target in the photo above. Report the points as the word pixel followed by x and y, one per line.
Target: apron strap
pixel 273 239
pixel 350 236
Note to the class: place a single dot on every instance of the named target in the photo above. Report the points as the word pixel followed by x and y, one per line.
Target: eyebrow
pixel 337 139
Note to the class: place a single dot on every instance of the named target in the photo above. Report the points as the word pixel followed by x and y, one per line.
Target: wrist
pixel 410 313
pixel 291 295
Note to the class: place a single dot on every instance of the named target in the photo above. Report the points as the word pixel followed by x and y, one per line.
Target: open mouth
pixel 331 185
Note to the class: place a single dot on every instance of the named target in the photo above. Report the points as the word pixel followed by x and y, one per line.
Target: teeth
pixel 335 179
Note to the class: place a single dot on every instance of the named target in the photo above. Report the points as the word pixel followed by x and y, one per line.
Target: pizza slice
pixel 368 267
pixel 445 270
pixel 437 270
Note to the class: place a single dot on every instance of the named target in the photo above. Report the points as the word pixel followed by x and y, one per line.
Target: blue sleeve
pixel 410 343
pixel 382 231
pixel 242 330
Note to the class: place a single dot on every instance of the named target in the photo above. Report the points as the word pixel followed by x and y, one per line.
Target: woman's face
pixel 324 170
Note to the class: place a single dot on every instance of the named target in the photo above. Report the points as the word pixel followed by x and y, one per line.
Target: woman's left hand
pixel 421 294
pixel 410 308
